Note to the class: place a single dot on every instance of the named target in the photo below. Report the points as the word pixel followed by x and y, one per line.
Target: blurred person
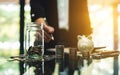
pixel 79 22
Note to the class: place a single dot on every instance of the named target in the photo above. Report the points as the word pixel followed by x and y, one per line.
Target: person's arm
pixel 38 16
pixel 37 9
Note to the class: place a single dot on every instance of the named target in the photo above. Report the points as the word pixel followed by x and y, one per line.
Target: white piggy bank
pixel 85 44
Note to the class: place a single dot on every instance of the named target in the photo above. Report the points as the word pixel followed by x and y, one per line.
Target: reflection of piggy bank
pixel 85 44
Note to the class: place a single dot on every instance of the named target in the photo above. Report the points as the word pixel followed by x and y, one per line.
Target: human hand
pixel 48 30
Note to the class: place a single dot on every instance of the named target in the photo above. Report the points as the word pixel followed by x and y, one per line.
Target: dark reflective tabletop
pixel 73 64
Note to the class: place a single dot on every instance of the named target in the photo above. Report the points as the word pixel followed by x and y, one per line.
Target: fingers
pixel 47 36
pixel 48 29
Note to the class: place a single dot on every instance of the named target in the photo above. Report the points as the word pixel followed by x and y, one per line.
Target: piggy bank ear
pixel 90 37
pixel 79 37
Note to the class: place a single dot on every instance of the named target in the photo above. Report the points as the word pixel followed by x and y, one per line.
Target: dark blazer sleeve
pixel 37 9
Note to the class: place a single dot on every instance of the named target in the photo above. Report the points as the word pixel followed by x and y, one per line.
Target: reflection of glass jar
pixel 33 33
pixel 59 54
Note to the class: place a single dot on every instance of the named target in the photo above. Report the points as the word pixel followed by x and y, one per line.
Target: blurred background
pixel 104 20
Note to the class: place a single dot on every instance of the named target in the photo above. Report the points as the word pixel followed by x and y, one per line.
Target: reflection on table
pixel 72 64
